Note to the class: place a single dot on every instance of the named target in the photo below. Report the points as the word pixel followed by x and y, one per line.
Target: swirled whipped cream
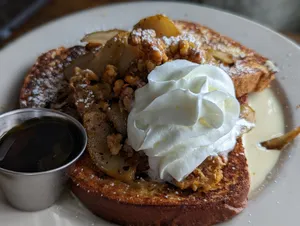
pixel 185 113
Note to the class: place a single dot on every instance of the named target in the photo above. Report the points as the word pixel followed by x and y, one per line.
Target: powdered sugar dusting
pixel 47 89
pixel 88 99
pixel 155 48
pixel 200 40
pixel 46 81
pixel 242 67
pixel 184 36
pixel 148 35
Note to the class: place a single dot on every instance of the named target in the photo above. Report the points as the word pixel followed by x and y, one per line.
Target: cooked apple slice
pixel 116 52
pixel 100 37
pixel 99 57
pixel 279 143
pixel 98 128
pixel 81 62
pixel 162 25
pixel 247 113
pixel 224 57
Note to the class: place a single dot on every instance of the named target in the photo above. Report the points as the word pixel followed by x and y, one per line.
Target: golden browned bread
pixel 152 203
pixel 45 82
pixel 250 72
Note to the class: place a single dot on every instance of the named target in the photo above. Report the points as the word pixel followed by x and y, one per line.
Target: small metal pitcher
pixel 35 191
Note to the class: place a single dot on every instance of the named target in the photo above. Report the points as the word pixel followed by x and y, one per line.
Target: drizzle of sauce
pixel 39 144
pixel 269 124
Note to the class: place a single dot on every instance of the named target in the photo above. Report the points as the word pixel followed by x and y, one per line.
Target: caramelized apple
pixel 116 52
pixel 279 143
pixel 247 113
pixel 162 25
pixel 81 62
pixel 224 57
pixel 98 128
pixel 100 37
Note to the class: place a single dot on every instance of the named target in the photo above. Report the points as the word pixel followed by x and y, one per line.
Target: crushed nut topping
pixel 127 98
pixel 110 74
pixel 114 143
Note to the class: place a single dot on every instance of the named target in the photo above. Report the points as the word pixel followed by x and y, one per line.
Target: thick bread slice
pixel 151 203
pixel 251 72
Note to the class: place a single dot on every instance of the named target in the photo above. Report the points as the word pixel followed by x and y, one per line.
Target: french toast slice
pixel 151 203
pixel 145 202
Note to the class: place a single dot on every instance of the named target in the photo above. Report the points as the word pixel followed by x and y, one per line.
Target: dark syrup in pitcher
pixel 40 144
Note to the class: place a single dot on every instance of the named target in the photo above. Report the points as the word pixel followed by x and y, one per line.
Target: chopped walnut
pixel 110 74
pixel 206 176
pixel 135 37
pixel 131 80
pixel 127 101
pixel 83 95
pixel 155 55
pixel 165 58
pixel 196 57
pixel 114 143
pixel 134 81
pixel 102 91
pixel 141 65
pixel 150 65
pixel 174 48
pixel 83 76
pixel 127 98
pixel 184 47
pixel 118 87
pixel 103 105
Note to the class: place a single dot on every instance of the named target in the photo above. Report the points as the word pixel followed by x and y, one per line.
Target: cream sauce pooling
pixel 269 124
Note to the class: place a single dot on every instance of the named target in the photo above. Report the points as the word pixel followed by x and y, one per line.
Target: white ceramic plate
pixel 277 205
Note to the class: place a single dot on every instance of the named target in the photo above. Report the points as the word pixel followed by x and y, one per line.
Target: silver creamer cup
pixel 36 191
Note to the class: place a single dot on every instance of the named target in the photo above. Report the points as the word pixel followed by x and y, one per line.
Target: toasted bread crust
pixel 162 205
pixel 249 73
pixel 45 81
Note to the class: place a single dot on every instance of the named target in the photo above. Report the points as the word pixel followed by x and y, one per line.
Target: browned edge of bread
pixel 126 205
pixel 250 74
pixel 45 80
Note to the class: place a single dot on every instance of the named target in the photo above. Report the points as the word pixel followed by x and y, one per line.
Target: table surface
pixel 58 8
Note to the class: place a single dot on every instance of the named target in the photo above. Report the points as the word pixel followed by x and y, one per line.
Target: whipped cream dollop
pixel 184 114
